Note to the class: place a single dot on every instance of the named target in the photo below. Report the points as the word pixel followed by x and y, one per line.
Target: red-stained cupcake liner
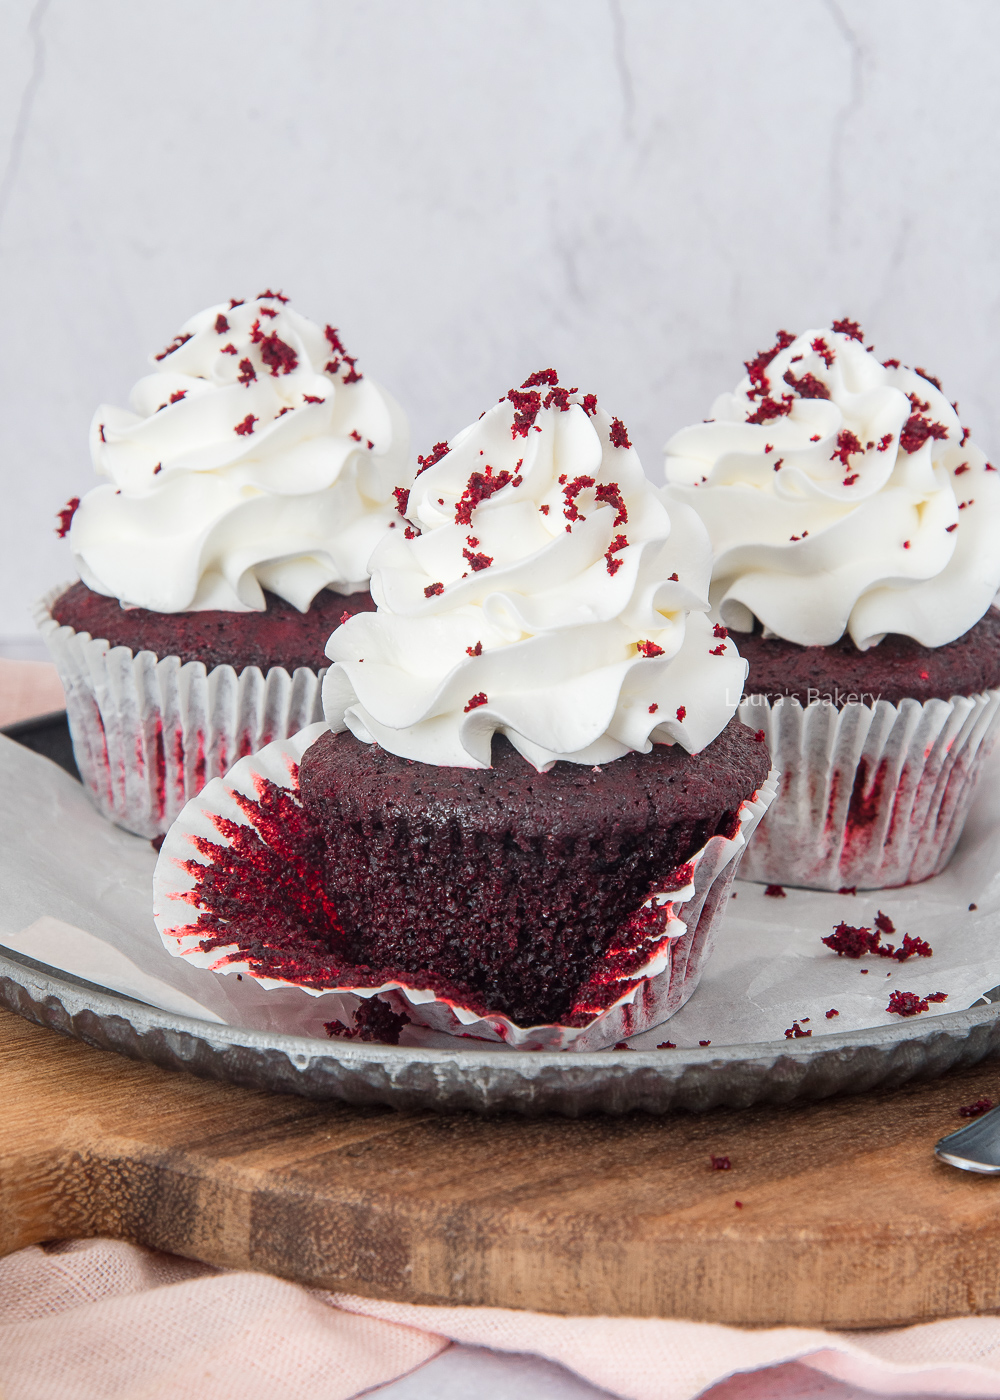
pixel 149 733
pixel 649 972
pixel 871 796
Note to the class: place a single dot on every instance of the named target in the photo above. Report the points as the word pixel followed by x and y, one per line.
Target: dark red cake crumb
pixel 666 1045
pixel 775 892
pixel 795 1032
pixel 973 1110
pixel 895 669
pixel 720 1164
pixel 374 1020
pixel 681 714
pixel 175 344
pixel 649 649
pixel 246 427
pixel 704 1042
pixel 883 923
pixel 831 1013
pixel 281 636
pixel 247 373
pixel 480 487
pixel 850 328
pixel 770 408
pixel 972 907
pixel 433 590
pixel 910 1004
pixel 221 324
pixel 807 386
pixel 477 701
pixel 849 942
pixel 65 516
pixel 619 437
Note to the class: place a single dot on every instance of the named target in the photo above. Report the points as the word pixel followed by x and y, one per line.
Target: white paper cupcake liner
pixel 149 733
pixel 870 796
pixel 664 953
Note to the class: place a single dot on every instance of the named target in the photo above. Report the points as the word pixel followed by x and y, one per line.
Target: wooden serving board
pixel 847 1220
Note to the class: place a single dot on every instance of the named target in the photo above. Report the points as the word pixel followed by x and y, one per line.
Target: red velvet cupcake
pixel 854 527
pixel 249 484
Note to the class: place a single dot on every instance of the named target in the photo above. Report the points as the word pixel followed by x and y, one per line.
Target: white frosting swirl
pixel 255 456
pixel 542 589
pixel 841 494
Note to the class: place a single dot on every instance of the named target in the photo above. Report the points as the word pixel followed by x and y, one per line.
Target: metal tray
pixel 493 1081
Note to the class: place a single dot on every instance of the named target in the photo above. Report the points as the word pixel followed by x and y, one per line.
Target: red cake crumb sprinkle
pixel 618 435
pixel 823 350
pixel 891 364
pixel 937 996
pixel 335 342
pixel 963 504
pixel 229 350
pixel 234 302
pixel 374 1020
pixel 477 650
pixel 849 942
pixel 720 1164
pixel 795 1032
pixel 433 590
pixel 175 344
pixel 621 1045
pixel 850 328
pixel 345 617
pixel 247 372
pixel 883 922
pixel 544 510
pixel 312 398
pixel 759 736
pixel 770 408
pixel 178 395
pixel 850 480
pixel 158 468
pixel 402 499
pixel 831 1013
pixel 246 427
pixel 756 367
pixel 768 447
pixel 221 324
pixel 847 445
pixel 931 378
pixel 807 387
pixel 779 464
pixel 65 516
pixel 704 1042
pixel 972 907
pixel 908 1003
pixel 973 1110
pixel 481 486
pixel 719 631
pixel 270 296
pixel 653 708
pixel 609 493
pixel 410 534
pixel 962 469
pixel 964 438
pixel 738 1205
pixel 279 357
pixel 649 649
pixel 720 650
pixel 477 562
pixel 917 429
pixel 918 405
pixel 681 713
pixel 540 377
pixel 775 891
pixel 906 545
pixel 814 438
pixel 559 397
pixel 480 698
pixel 589 404
pixel 666 1045
pixel 527 405
pixel 570 493
pixel 948 528
pixel 618 543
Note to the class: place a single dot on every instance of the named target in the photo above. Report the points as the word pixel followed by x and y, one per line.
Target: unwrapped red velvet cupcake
pixel 854 527
pixel 525 815
pixel 247 487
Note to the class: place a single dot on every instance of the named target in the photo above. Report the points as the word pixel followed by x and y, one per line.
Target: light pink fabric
pixel 103 1320
pixel 28 688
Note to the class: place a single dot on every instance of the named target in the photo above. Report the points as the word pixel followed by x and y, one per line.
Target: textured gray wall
pixel 635 191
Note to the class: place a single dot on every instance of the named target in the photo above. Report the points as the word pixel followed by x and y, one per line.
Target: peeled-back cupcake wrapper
pixel 870 796
pixel 148 733
pixel 672 946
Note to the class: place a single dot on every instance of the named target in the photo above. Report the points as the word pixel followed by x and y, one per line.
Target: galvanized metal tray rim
pixel 530 1082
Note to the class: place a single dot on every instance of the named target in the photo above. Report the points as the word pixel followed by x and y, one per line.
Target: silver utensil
pixel 974 1148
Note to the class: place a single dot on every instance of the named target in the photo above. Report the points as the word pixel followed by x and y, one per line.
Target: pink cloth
pixel 28 688
pixel 103 1320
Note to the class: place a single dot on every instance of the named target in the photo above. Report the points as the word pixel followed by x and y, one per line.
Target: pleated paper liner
pixel 149 732
pixel 870 795
pixel 246 834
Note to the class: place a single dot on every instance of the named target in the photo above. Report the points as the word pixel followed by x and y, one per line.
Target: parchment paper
pixel 60 860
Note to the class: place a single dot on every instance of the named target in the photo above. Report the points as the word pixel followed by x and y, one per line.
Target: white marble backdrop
pixel 638 192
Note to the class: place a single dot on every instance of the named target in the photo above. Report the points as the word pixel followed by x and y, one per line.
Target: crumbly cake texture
pixel 505 882
pixel 281 636
pixel 897 669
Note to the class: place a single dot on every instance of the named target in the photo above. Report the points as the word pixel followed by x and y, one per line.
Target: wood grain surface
pixel 847 1220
